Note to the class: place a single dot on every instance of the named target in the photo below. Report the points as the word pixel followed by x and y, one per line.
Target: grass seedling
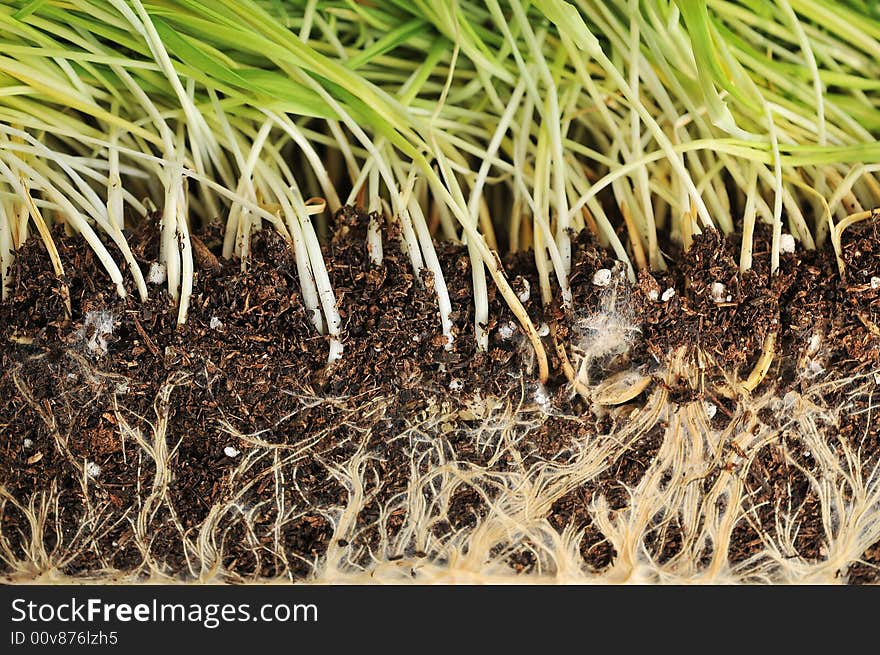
pixel 501 126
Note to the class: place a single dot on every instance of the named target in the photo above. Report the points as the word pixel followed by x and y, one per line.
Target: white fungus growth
pixel 710 408
pixel 875 282
pixel 526 293
pixel 231 451
pixel 601 336
pixel 602 277
pixel 97 328
pixel 456 385
pixel 786 243
pixel 719 292
pixel 542 397
pixel 215 323
pixel 27 443
pixel 92 470
pixel 876 378
pixel 654 295
pixel 156 274
pixel 667 295
pixel 507 330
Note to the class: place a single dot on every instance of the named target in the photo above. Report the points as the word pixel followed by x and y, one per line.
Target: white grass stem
pixel 6 253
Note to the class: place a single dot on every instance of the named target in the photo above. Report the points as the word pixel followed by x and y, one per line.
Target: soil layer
pixel 227 448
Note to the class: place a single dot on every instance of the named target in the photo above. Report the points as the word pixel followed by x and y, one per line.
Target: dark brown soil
pixel 249 362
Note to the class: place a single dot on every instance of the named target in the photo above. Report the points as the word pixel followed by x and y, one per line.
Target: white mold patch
pixel 96 330
pixel 156 274
pixel 602 277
